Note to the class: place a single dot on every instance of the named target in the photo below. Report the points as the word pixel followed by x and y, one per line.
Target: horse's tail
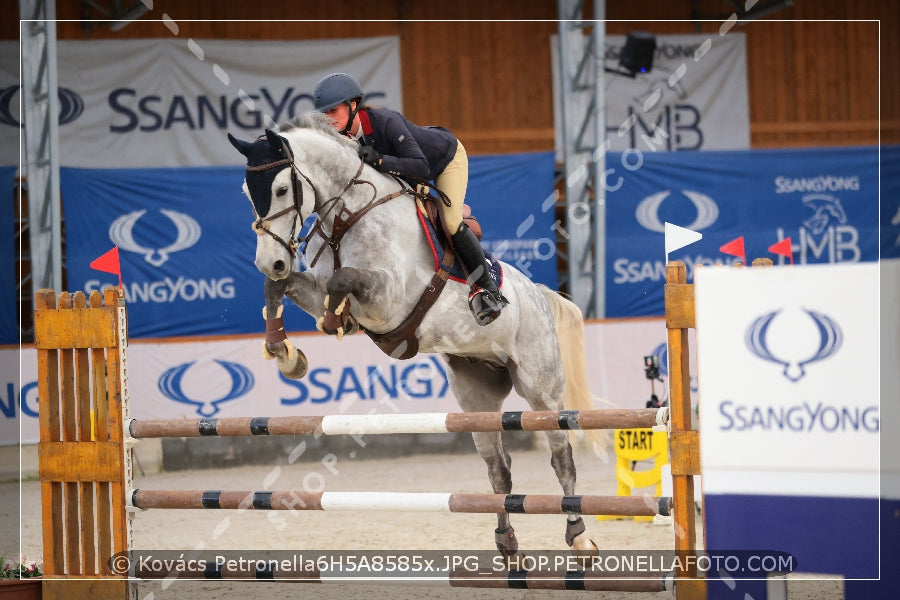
pixel 570 333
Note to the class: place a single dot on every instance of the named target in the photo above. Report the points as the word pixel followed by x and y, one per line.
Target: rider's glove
pixel 370 156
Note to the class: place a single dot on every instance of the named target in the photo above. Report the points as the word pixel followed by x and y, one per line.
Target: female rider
pixel 392 144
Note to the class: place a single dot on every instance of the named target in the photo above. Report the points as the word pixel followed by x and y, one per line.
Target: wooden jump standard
pixel 85 466
pixel 82 462
pixel 684 441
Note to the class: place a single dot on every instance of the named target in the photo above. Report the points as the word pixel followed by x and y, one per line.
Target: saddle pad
pixel 456 270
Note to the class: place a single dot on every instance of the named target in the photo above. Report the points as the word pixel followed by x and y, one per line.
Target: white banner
pixel 170 102
pixel 789 380
pixel 694 97
pixel 229 378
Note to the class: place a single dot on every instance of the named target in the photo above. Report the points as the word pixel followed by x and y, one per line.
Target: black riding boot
pixel 485 301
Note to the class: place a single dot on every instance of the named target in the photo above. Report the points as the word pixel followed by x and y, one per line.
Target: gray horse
pixel 370 264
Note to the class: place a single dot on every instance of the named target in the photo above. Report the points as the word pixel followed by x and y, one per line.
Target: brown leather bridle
pixel 261 224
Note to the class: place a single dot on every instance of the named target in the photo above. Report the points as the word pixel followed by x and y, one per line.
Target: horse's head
pixel 272 185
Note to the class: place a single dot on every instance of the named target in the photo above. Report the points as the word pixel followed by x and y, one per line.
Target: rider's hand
pixel 370 156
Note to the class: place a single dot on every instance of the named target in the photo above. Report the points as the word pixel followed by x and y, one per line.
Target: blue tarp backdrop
pixel 187 249
pixel 825 200
pixel 9 329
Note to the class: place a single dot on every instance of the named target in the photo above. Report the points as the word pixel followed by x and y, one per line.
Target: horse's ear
pixel 242 146
pixel 275 141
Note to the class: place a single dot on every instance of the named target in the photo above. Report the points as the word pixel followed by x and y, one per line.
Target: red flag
pixel 783 248
pixel 735 248
pixel 109 263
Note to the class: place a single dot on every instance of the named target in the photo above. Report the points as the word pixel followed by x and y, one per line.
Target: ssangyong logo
pixel 170 384
pixel 758 334
pixel 796 339
pixel 70 106
pixel 187 234
pixel 647 211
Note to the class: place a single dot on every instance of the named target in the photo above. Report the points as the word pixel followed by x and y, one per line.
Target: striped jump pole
pixel 402 423
pixel 533 504
pixel 571 580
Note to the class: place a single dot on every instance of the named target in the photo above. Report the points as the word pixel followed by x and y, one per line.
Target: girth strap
pixel 405 333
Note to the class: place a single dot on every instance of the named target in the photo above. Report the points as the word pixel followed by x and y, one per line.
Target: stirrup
pixel 486 306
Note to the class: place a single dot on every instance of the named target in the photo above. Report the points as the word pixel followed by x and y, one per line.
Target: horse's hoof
pixel 294 365
pixel 507 544
pixel 584 550
pixel 352 326
pixel 582 545
pixel 577 539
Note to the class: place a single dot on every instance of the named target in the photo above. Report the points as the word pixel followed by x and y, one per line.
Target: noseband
pixel 261 225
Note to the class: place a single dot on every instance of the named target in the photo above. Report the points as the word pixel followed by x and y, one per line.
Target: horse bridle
pixel 261 224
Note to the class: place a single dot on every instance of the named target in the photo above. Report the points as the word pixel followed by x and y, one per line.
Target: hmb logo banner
pixel 825 200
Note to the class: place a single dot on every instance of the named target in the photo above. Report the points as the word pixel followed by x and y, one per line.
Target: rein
pixel 345 219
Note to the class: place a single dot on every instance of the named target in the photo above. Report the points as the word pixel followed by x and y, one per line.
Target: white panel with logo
pixel 788 365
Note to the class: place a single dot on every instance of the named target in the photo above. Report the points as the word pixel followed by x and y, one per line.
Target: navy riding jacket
pixel 407 149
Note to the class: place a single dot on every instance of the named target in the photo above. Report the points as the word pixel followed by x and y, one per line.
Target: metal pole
pixel 40 114
pixel 599 160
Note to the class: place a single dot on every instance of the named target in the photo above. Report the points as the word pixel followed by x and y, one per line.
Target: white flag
pixel 679 237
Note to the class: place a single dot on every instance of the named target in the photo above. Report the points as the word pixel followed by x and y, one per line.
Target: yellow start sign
pixel 634 446
pixel 637 441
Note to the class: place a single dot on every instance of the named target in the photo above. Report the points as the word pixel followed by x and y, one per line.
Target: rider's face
pixel 339 115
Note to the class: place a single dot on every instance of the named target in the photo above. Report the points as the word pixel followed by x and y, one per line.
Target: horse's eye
pixel 281 191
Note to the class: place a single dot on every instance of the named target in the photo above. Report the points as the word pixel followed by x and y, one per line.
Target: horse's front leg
pixel 367 287
pixel 300 288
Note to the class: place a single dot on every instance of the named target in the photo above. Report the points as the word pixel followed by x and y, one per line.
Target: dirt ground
pixel 298 530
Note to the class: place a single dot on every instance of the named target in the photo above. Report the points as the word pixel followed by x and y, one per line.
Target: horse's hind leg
pixel 543 391
pixel 564 466
pixel 481 387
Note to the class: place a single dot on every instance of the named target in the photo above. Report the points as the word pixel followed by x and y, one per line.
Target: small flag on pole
pixel 783 248
pixel 679 237
pixel 109 263
pixel 735 248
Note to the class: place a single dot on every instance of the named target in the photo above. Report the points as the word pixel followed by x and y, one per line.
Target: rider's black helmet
pixel 335 89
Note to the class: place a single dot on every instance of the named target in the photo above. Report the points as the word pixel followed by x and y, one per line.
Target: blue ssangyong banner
pixel 185 246
pixel 824 200
pixel 9 328
pixel 187 249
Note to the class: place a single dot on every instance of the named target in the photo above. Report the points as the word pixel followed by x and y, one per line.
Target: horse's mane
pixel 317 122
